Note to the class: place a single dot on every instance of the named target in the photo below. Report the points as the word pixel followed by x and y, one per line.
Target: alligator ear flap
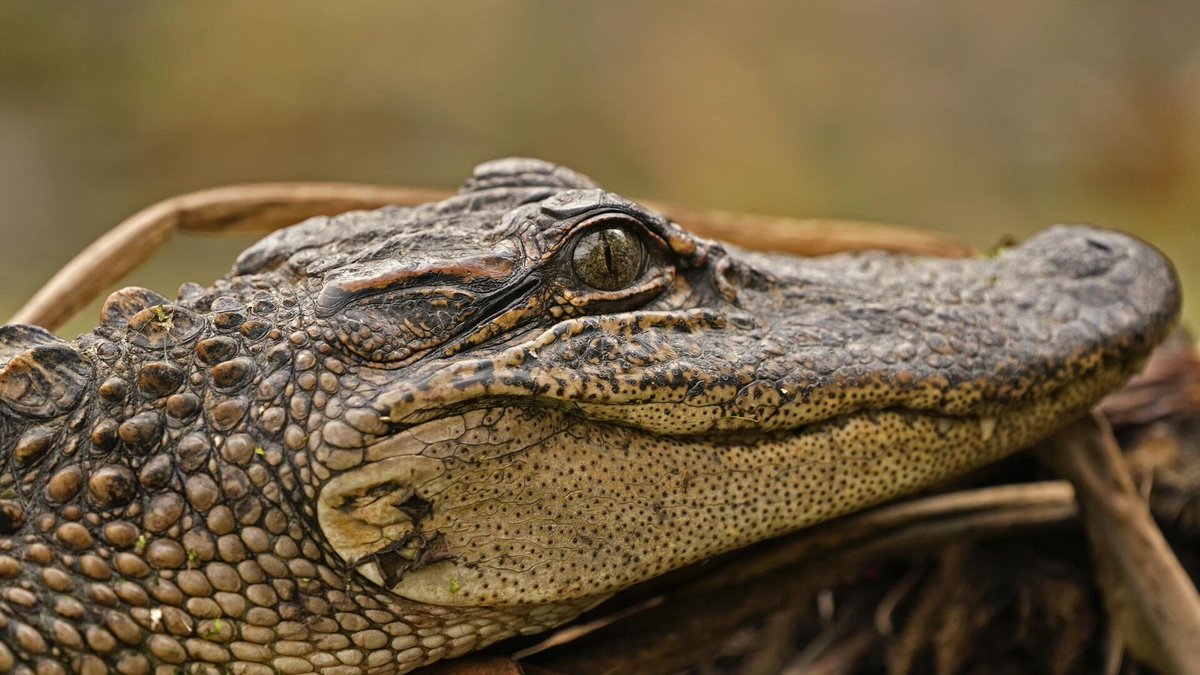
pixel 518 172
pixel 124 304
pixel 45 381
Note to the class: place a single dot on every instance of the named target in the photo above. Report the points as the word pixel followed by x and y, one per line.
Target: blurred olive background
pixel 979 118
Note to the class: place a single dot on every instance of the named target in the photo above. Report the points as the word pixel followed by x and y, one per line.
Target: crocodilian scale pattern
pixel 388 438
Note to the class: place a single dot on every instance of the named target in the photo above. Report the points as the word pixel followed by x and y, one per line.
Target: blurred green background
pixel 979 118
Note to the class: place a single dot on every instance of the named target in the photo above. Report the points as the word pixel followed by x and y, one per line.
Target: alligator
pixel 391 437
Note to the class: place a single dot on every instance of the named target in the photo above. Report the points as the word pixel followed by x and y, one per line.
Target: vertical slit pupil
pixel 609 259
pixel 608 254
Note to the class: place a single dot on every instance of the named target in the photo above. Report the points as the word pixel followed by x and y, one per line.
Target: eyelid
pixel 378 277
pixel 653 243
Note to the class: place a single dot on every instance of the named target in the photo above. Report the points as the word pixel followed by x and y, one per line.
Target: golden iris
pixel 609 259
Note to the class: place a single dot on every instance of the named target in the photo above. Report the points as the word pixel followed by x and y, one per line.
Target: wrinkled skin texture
pixel 393 437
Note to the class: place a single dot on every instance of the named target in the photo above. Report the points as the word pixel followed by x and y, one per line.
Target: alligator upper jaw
pixel 813 339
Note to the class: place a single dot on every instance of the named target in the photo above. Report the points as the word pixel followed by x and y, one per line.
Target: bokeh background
pixel 980 118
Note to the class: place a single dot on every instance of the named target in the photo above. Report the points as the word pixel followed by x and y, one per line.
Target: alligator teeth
pixel 944 425
pixel 371 571
pixel 987 427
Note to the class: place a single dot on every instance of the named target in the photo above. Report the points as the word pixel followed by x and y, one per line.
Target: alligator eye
pixel 609 259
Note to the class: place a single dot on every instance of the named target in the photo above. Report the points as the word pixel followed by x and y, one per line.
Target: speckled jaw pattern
pixel 393 437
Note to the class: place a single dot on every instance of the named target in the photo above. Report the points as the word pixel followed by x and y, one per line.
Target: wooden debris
pixel 1149 597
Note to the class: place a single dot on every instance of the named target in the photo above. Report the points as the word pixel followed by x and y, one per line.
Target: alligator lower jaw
pixel 506 497
pixel 836 467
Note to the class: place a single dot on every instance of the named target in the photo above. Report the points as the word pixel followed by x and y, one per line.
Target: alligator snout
pixel 1082 252
pixel 1119 289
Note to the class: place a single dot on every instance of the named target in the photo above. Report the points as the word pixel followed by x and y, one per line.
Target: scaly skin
pixel 393 437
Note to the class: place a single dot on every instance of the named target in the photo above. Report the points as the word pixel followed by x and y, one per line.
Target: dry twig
pixel 1149 597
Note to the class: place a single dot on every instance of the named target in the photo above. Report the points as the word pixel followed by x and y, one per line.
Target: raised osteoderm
pixel 392 437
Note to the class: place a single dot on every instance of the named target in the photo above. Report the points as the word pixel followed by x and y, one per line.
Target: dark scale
pixel 393 437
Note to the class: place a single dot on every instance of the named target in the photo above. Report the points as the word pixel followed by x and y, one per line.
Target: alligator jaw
pixel 665 501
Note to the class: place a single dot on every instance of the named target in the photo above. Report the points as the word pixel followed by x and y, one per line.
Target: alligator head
pixel 391 437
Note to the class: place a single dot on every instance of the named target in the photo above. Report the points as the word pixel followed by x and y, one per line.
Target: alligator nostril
pixel 1078 253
